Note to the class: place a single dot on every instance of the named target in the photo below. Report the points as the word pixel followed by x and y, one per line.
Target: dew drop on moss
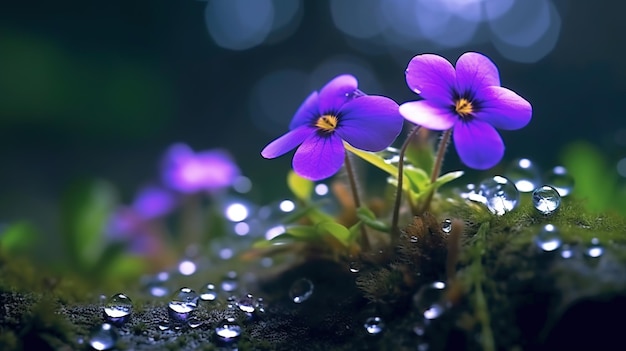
pixel 118 309
pixel 561 180
pixel 595 249
pixel 301 290
pixel 182 304
pixel 567 251
pixel 549 238
pixel 524 174
pixel 103 337
pixel 228 330
pixel 546 199
pixel 208 292
pixel 446 225
pixel 430 300
pixel 354 266
pixel 194 322
pixel 229 283
pixel 374 325
pixel 247 304
pixel 500 194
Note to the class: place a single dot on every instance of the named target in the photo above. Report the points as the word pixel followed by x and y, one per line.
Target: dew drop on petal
pixel 524 174
pixel 546 199
pixel 446 225
pixel 595 249
pixel 208 292
pixel 301 290
pixel 501 194
pixel 549 238
pixel 561 180
pixel 228 330
pixel 374 325
pixel 430 300
pixel 118 309
pixel 103 337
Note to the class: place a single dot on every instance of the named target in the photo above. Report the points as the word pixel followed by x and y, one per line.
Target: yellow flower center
pixel 326 123
pixel 463 107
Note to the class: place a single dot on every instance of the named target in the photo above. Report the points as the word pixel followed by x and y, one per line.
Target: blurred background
pixel 102 89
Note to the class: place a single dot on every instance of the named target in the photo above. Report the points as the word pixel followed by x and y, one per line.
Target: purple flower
pixel 339 112
pixel 189 172
pixel 153 201
pixel 469 100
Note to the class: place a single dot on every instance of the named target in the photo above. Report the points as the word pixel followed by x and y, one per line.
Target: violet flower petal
pixel 319 157
pixel 287 142
pixel 432 77
pixel 475 71
pixel 478 144
pixel 370 123
pixel 336 93
pixel 503 108
pixel 307 112
pixel 428 114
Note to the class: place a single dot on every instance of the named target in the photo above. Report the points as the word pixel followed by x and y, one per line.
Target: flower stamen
pixel 463 107
pixel 327 123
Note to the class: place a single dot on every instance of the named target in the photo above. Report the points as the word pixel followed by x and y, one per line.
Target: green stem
pixel 357 201
pixel 441 151
pixel 395 233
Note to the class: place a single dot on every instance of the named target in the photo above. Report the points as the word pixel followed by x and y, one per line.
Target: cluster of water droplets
pixel 549 239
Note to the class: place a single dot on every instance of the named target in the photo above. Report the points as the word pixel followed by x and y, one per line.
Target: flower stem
pixel 443 145
pixel 395 233
pixel 357 201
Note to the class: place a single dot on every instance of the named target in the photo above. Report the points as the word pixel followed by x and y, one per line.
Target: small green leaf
pixel 340 232
pixel 302 188
pixel 420 151
pixel 302 231
pixel 379 162
pixel 418 178
pixel 369 219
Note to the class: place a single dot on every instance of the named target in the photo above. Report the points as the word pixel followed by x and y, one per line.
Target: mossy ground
pixel 504 293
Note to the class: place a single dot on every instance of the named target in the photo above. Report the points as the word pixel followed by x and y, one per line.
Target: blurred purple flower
pixel 189 172
pixel 128 226
pixel 470 100
pixel 340 112
pixel 153 201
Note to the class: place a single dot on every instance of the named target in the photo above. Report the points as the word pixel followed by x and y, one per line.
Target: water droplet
pixel 229 283
pixel 391 155
pixel 567 251
pixel 524 174
pixel 446 226
pixel 354 266
pixel 182 304
pixel 157 285
pixel 374 325
pixel 549 238
pixel 419 327
pixel 501 195
pixel 430 300
pixel 194 322
pixel 301 290
pixel 546 199
pixel 208 292
pixel 247 304
pixel 164 325
pixel 228 330
pixel 103 337
pixel 595 249
pixel 118 309
pixel 260 305
pixel 413 238
pixel 560 180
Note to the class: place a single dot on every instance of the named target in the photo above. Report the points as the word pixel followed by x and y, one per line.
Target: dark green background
pixel 101 88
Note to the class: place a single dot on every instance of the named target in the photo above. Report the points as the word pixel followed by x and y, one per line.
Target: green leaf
pixel 337 230
pixel 85 212
pixel 446 178
pixel 302 188
pixel 18 238
pixel 420 152
pixel 379 162
pixel 418 178
pixel 369 219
